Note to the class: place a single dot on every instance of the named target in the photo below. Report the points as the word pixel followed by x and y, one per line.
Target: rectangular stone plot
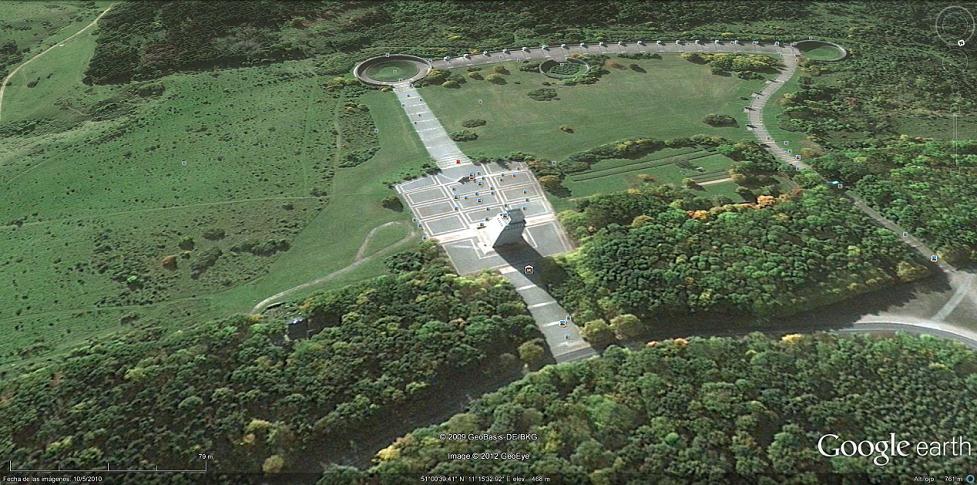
pixel 546 239
pixel 532 208
pixel 441 208
pixel 473 201
pixel 426 195
pixel 518 194
pixel 467 259
pixel 479 215
pixel 468 188
pixel 445 225
pixel 507 179
pixel 416 184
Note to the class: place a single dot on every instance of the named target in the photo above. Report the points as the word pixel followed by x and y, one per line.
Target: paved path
pixel 558 53
pixel 561 334
pixel 436 140
pixel 3 85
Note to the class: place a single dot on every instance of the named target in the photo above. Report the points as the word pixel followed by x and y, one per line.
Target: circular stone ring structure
pixel 821 50
pixel 392 69
pixel 546 67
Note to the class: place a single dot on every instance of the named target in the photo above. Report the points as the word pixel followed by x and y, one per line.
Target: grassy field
pixel 182 199
pixel 669 99
pixel 354 209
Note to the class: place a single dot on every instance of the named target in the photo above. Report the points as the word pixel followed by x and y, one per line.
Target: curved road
pixel 961 282
pixel 3 85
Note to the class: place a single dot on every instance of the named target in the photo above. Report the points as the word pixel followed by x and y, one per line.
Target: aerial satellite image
pixel 482 241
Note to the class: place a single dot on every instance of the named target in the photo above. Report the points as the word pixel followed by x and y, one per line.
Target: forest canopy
pixel 656 253
pixel 927 187
pixel 145 40
pixel 236 389
pixel 716 410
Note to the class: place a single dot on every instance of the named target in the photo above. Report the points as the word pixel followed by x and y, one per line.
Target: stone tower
pixel 506 228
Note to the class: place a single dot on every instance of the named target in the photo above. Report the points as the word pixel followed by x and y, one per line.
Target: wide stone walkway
pixel 442 148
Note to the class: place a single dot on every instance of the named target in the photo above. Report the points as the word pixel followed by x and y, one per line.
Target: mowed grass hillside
pixel 668 166
pixel 662 98
pixel 32 24
pixel 186 198
pixel 43 94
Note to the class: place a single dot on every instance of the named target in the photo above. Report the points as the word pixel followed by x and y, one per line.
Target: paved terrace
pixel 450 206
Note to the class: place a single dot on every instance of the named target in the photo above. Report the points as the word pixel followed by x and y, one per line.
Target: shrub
pixel 551 183
pixel 500 69
pixel 392 202
pixel 713 119
pixel 495 79
pixel 474 123
pixel 463 135
pixel 169 262
pixel 451 83
pixel 626 326
pixel 262 248
pixel 204 261
pixel 542 94
pixel 598 332
pixel 566 129
pixel 186 243
pixel 273 464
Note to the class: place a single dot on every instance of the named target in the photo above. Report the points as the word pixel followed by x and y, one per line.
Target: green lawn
pixel 818 51
pixel 668 100
pixel 667 166
pixel 394 70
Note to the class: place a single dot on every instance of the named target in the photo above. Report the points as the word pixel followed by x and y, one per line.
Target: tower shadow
pixel 521 254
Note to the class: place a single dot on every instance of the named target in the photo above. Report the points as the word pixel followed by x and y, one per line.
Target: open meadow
pixel 184 198
pixel 658 98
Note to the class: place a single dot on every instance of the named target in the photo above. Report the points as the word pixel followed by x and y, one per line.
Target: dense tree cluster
pixel 141 40
pixel 657 252
pixel 237 389
pixel 359 140
pixel 714 410
pixel 747 66
pixel 926 186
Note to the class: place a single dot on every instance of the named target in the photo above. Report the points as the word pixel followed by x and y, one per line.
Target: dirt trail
pixel 357 261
